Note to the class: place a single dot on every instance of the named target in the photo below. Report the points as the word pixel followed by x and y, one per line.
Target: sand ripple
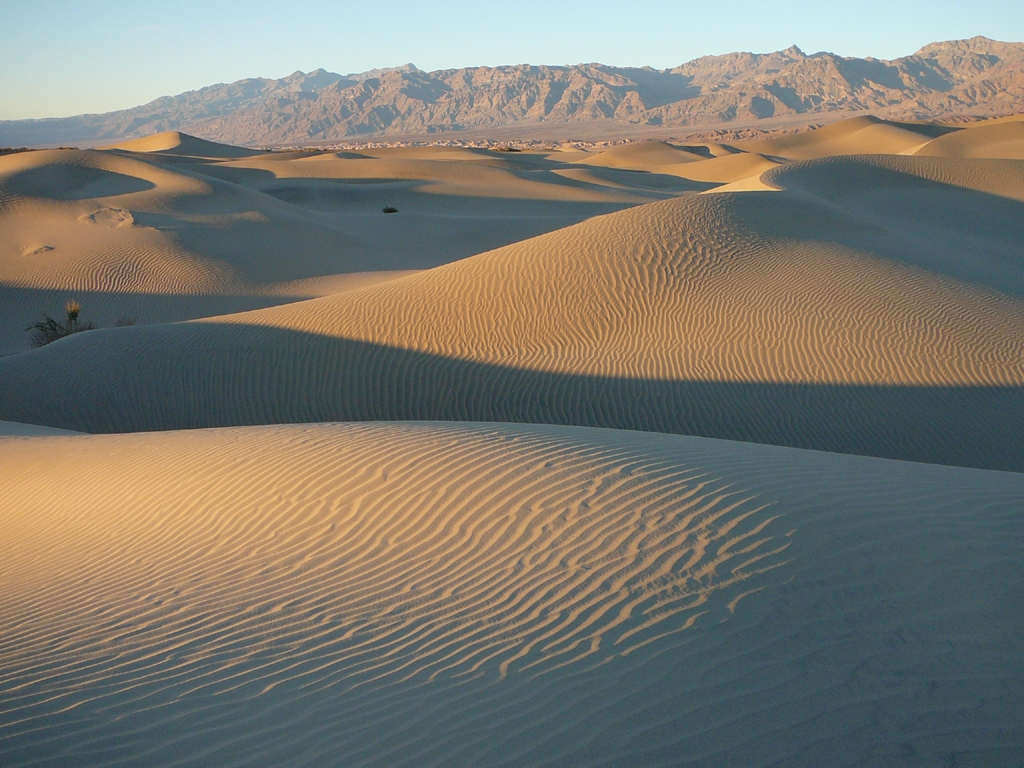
pixel 437 594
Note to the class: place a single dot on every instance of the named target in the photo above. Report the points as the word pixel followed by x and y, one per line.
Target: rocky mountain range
pixel 977 76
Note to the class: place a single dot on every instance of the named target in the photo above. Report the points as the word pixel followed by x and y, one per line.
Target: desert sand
pixel 158 235
pixel 445 594
pixel 703 454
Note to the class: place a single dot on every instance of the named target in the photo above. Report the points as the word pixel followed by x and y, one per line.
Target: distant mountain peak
pixel 974 76
pixel 977 44
pixel 374 73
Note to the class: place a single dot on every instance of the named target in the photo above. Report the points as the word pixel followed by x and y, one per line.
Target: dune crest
pixel 995 139
pixel 788 318
pixel 176 143
pixel 444 456
pixel 645 155
pixel 438 594
pixel 645 293
pixel 856 136
pixel 216 230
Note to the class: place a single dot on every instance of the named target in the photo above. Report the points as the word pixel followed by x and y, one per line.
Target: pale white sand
pixel 450 594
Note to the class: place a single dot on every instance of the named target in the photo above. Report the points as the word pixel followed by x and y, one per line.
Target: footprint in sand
pixel 35 250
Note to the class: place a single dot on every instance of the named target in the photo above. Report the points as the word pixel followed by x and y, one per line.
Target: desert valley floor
pixel 656 455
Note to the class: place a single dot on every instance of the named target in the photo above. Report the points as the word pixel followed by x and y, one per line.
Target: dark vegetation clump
pixel 48 329
pixel 390 209
pixel 16 150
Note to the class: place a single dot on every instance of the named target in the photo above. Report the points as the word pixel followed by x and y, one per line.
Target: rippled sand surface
pixel 663 455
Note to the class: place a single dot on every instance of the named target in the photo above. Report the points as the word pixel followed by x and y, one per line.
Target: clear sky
pixel 62 58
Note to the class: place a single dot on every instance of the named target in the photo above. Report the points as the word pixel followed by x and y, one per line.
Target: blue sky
pixel 62 58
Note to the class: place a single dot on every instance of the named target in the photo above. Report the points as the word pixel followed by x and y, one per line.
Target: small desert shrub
pixel 390 209
pixel 124 322
pixel 48 329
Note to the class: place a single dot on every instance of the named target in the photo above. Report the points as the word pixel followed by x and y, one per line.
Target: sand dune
pixel 726 169
pixel 729 163
pixel 458 569
pixel 878 180
pixel 128 237
pixel 176 143
pixel 173 216
pixel 434 180
pixel 856 136
pixel 994 140
pixel 117 223
pixel 14 428
pixel 703 163
pixel 644 156
pixel 229 229
pixel 792 318
pixel 646 292
pixel 445 594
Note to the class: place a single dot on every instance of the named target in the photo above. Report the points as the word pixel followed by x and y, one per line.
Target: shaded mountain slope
pixel 979 76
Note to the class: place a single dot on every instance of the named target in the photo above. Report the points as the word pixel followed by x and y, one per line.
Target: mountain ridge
pixel 978 76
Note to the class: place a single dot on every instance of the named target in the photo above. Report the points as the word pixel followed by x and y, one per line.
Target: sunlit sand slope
pixel 645 155
pixel 994 140
pixel 834 283
pixel 128 237
pixel 873 306
pixel 727 169
pixel 126 232
pixel 457 595
pixel 176 143
pixel 710 163
pixel 857 136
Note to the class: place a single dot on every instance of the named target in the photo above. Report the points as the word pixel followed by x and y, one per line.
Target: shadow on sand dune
pixel 24 306
pixel 60 181
pixel 552 185
pixel 214 374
